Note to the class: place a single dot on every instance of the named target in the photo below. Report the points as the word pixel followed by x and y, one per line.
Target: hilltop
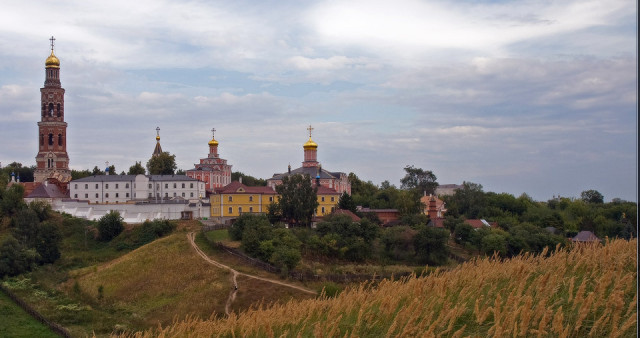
pixel 580 291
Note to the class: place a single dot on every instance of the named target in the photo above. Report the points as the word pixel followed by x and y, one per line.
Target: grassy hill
pixel 579 292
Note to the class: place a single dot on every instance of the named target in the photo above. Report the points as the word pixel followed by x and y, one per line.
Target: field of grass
pixel 17 323
pixel 581 291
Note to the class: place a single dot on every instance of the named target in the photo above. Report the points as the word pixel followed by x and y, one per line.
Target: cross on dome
pixel 310 129
pixel 52 42
pixel 213 131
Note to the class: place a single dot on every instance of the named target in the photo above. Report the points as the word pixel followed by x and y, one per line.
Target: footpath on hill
pixel 234 274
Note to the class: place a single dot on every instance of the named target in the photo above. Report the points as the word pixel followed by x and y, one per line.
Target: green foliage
pixel 431 245
pixel 11 200
pixel 398 243
pixel 136 169
pixel 163 164
pixel 494 243
pixel 25 227
pixel 15 258
pixel 47 243
pixel 78 174
pixel 298 199
pixel 422 181
pixel 24 173
pixel 346 202
pixel 152 230
pixel 592 196
pixel 340 237
pixel 110 226
pixel 248 180
pixel 330 289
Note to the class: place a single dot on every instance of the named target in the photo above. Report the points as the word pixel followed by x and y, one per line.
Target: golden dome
pixel 213 142
pixel 158 138
pixel 52 61
pixel 310 145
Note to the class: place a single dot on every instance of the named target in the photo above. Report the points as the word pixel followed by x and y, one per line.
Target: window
pixel 116 185
pixel 76 186
pixel 270 198
pixel 166 185
pixel 174 194
pixel 166 194
pixel 106 195
pixel 86 195
pixel 96 185
pixel 86 186
pixel 150 186
pixel 250 198
pixel 126 185
pixel 182 185
pixel 191 194
pixel 106 186
pixel 96 195
pixel 182 194
pixel 127 195
pixel 230 198
pixel 230 210
pixel 250 209
pixel 322 198
pixel 117 195
pixel 75 195
pixel 239 210
pixel 191 185
pixel 50 139
pixel 333 199
pixel 174 186
pixel 323 210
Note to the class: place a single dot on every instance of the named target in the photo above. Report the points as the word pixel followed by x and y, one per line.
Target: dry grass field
pixel 584 291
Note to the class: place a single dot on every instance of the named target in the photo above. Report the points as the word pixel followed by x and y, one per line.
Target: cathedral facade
pixel 212 170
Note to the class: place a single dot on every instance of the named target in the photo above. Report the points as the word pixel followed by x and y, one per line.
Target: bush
pixel 110 226
pixel 15 258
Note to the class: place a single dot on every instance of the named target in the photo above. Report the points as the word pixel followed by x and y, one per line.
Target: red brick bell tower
pixel 52 160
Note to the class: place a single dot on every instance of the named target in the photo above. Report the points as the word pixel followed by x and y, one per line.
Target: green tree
pixel 346 202
pixel 248 180
pixel 493 243
pixel 11 200
pixel 163 164
pixel 78 174
pixel 136 169
pixel 25 227
pixel 110 226
pixel 431 245
pixel 298 199
pixel 592 196
pixel 424 181
pixel 47 244
pixel 23 172
pixel 96 171
pixel 15 258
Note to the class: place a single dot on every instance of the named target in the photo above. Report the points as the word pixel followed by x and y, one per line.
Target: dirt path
pixel 234 274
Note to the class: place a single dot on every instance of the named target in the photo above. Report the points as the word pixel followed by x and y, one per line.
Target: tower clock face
pixel 50 96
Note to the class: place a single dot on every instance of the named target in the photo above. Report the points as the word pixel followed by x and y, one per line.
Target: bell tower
pixel 52 160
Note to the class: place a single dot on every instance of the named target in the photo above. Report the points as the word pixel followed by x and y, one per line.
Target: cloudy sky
pixel 536 97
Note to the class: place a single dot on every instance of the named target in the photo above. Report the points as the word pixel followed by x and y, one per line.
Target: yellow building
pixel 237 198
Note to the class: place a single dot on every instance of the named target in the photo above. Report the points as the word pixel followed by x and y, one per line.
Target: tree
pixel 76 174
pixel 110 226
pixel 431 245
pixel 424 181
pixel 96 171
pixel 592 196
pixel 163 164
pixel 15 258
pixel 25 227
pixel 48 239
pixel 136 169
pixel 248 180
pixel 298 199
pixel 24 173
pixel 11 200
pixel 346 202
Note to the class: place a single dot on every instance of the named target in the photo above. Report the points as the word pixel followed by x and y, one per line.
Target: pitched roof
pixel 585 236
pixel 46 191
pixel 353 216
pixel 480 223
pixel 322 190
pixel 311 171
pixel 236 187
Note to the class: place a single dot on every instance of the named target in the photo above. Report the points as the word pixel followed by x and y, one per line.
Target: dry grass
pixel 580 292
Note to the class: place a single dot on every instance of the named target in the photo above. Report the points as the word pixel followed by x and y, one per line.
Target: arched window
pixel 50 139
pixel 60 139
pixel 59 112
pixel 50 109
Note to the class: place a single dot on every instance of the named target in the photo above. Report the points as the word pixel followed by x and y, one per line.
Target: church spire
pixel 310 151
pixel 158 150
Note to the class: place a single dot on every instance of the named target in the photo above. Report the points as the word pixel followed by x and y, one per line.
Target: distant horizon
pixel 520 97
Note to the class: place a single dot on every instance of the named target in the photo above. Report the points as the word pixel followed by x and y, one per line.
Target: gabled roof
pixel 353 216
pixel 585 236
pixel 311 171
pixel 480 223
pixel 46 191
pixel 236 187
pixel 322 190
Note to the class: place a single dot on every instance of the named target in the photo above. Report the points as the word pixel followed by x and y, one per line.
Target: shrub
pixel 110 226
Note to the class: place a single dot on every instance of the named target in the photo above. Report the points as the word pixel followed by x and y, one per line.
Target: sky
pixel 535 97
